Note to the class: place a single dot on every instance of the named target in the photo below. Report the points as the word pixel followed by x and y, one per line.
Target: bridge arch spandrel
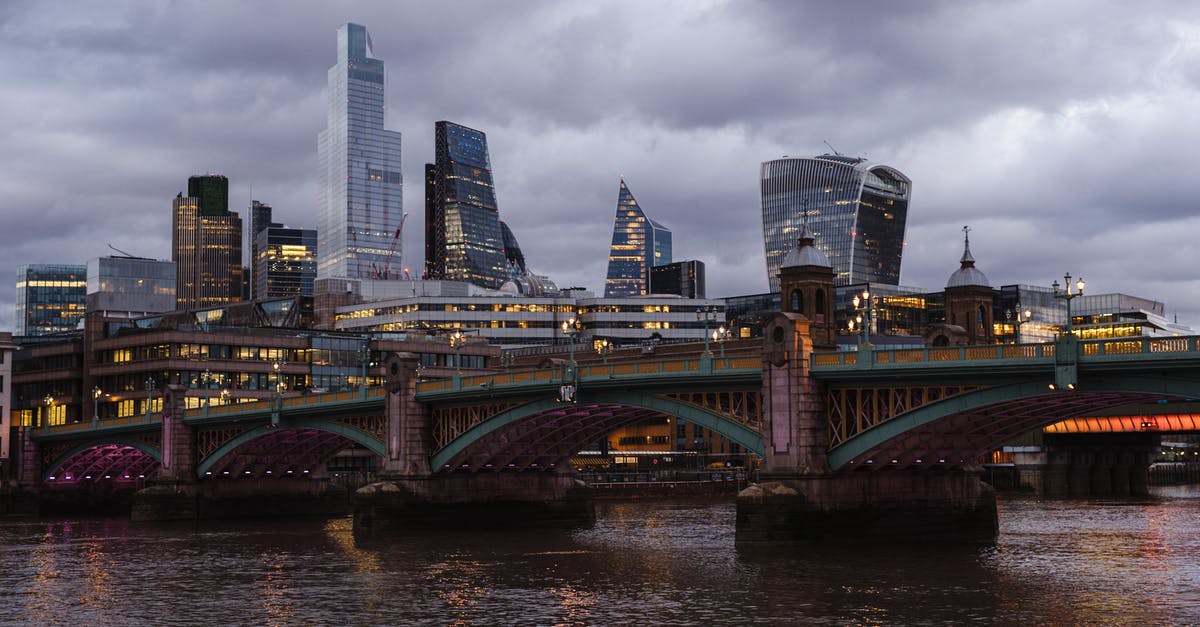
pixel 112 456
pixel 545 433
pixel 955 431
pixel 296 442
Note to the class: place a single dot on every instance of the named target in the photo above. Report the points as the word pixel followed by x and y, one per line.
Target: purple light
pixel 941 460
pixel 52 478
pixel 894 461
pixel 869 461
pixel 306 471
pixel 87 476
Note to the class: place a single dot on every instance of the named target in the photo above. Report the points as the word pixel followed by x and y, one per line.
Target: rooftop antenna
pixel 121 251
pixel 832 148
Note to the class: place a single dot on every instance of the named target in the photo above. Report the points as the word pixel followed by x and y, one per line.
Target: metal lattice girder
pixel 125 460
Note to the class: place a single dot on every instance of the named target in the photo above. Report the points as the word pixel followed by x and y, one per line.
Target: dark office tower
pixel 682 278
pixel 359 186
pixel 260 219
pixel 286 262
pixel 206 245
pixel 856 214
pixel 638 244
pixel 512 251
pixel 463 237
pixel 51 298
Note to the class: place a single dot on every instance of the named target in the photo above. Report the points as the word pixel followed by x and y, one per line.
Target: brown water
pixel 661 563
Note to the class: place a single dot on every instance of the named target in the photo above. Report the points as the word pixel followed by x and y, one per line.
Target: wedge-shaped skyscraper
pixel 638 244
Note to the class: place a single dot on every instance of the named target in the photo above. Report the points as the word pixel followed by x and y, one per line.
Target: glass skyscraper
pixel 856 213
pixel 638 244
pixel 463 237
pixel 359 205
pixel 286 264
pixel 206 244
pixel 51 298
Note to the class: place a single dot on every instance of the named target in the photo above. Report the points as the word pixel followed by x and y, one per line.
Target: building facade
pixel 7 442
pixel 682 278
pixel 51 298
pixel 286 264
pixel 260 218
pixel 129 287
pixel 206 245
pixel 638 244
pixel 464 239
pixel 856 213
pixel 359 184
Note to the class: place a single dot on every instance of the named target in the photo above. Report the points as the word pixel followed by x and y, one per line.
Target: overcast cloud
pixel 1062 132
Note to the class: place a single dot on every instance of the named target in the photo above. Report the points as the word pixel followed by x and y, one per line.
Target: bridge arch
pixel 289 444
pixel 957 430
pixel 545 433
pixel 114 456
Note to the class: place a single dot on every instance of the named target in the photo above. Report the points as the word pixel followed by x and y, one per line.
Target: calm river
pixel 653 563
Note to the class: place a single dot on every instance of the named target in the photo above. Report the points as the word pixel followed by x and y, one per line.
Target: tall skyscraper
pixel 206 245
pixel 260 219
pixel 856 214
pixel 638 244
pixel 359 204
pixel 286 262
pixel 51 298
pixel 463 237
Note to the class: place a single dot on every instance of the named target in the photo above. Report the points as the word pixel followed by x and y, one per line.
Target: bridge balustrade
pixel 941 355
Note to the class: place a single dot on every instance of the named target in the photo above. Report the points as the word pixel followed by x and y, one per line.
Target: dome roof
pixel 967 274
pixel 805 253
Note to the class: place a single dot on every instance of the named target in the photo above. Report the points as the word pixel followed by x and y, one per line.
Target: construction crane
pixel 382 273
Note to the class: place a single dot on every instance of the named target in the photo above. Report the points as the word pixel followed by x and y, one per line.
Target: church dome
pixel 805 253
pixel 967 274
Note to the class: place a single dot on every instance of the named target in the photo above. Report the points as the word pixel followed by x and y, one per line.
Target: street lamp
pixel 1022 316
pixel 719 336
pixel 707 314
pixel 457 339
pixel 277 366
pixel 96 393
pixel 207 378
pixel 865 307
pixel 364 355
pixel 604 347
pixel 1068 296
pixel 49 402
pixel 224 397
pixel 149 395
pixel 571 328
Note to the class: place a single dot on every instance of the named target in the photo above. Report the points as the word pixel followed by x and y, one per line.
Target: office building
pixel 359 185
pixel 512 252
pixel 856 214
pixel 260 218
pixel 206 245
pixel 638 244
pixel 129 287
pixel 286 262
pixel 51 298
pixel 682 278
pixel 464 239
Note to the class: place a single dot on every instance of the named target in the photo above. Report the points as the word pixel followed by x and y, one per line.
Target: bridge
pixel 838 432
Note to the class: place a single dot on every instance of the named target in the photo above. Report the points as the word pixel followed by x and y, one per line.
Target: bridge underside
pixel 105 462
pixel 545 440
pixel 923 439
pixel 278 452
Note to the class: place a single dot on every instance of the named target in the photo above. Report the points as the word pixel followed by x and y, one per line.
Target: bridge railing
pixel 594 371
pixel 86 425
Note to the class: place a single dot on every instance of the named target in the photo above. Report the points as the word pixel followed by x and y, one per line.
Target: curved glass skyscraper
pixel 359 205
pixel 638 244
pixel 856 213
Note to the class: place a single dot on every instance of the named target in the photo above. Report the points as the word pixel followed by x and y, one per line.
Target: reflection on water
pixel 674 563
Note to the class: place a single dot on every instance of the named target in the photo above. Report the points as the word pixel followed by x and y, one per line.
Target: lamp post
pixel 865 307
pixel 1018 317
pixel 456 341
pixel 277 404
pixel 96 393
pixel 1069 296
pixel 707 314
pixel 224 397
pixel 364 354
pixel 719 336
pixel 603 348
pixel 149 396
pixel 571 328
pixel 207 379
pixel 48 401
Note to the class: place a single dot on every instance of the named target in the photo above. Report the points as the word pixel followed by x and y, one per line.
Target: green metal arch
pixel 141 446
pixel 873 437
pixel 379 447
pixel 738 433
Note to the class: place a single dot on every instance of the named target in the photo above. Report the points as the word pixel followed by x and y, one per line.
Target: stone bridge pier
pixel 799 499
pixel 411 495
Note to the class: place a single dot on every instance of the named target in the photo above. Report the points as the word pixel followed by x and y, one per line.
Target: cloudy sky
pixel 1062 132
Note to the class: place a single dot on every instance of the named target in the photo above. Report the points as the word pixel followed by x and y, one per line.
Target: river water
pixel 1074 562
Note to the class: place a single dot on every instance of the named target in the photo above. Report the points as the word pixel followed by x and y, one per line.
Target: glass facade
pixel 206 245
pixel 51 298
pixel 359 186
pixel 260 218
pixel 856 213
pixel 638 243
pixel 464 240
pixel 287 262
pixel 130 286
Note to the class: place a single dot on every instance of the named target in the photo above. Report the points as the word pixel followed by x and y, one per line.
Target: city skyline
pixel 1039 141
